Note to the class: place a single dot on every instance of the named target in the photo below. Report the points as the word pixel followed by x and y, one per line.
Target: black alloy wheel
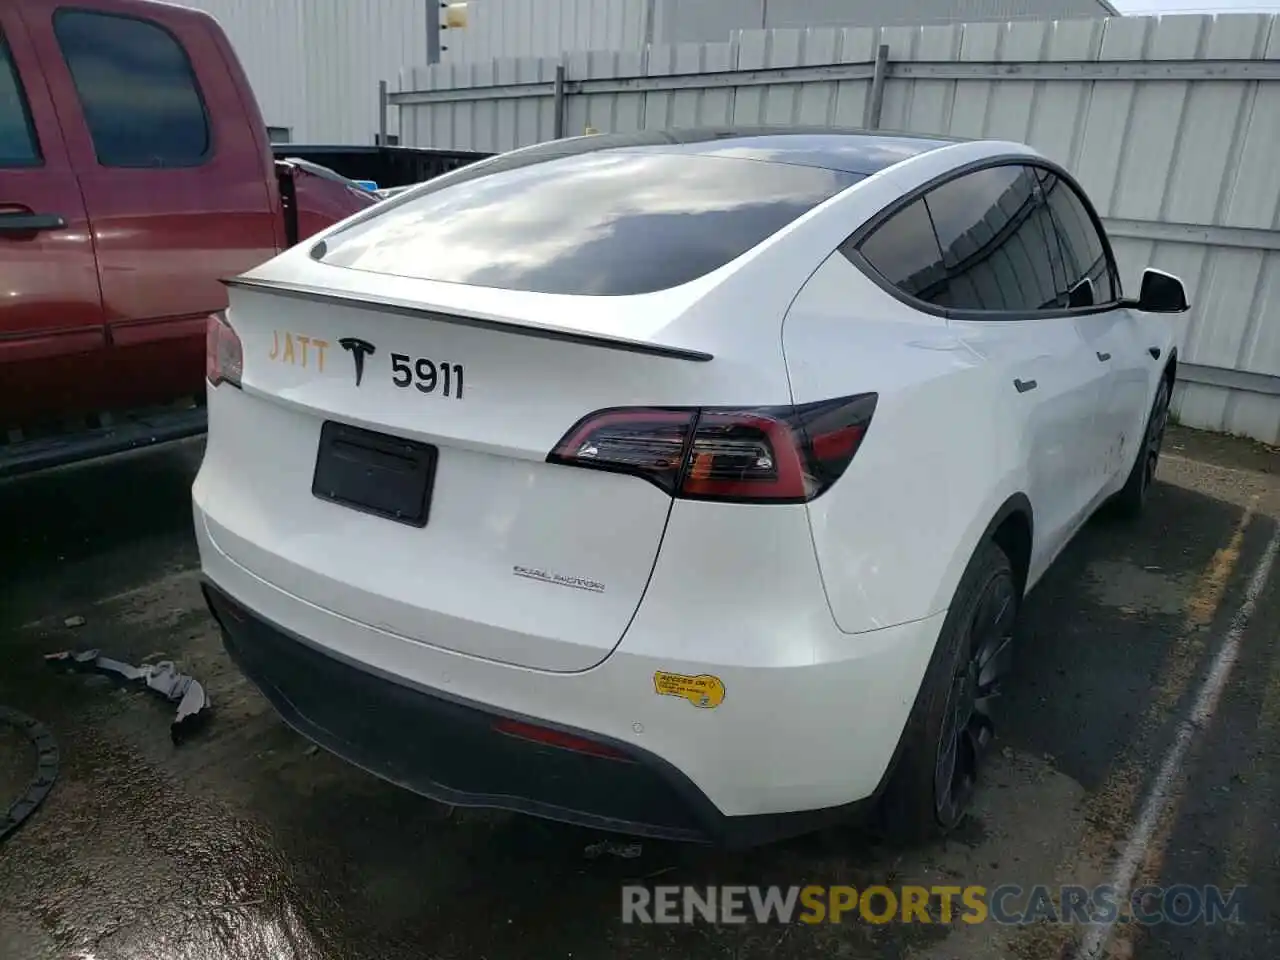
pixel 984 658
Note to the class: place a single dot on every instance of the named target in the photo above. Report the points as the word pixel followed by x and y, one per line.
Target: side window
pixel 905 252
pixel 18 146
pixel 137 89
pixel 998 245
pixel 1082 248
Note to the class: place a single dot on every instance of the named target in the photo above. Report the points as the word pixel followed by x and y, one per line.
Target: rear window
pixel 606 223
pixel 17 140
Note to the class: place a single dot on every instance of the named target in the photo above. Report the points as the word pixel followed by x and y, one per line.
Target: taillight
pixel 786 454
pixel 223 355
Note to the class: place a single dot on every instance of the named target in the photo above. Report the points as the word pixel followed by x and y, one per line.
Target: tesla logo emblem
pixel 359 349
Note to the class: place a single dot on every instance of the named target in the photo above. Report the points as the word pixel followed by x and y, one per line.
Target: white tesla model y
pixel 685 484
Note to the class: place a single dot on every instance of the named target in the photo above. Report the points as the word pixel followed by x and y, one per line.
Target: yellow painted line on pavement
pixel 1112 804
pixel 1166 789
pixel 1242 848
pixel 1202 605
pixel 1179 667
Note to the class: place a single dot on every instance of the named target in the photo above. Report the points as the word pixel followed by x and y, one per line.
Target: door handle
pixel 24 222
pixel 1104 357
pixel 1024 385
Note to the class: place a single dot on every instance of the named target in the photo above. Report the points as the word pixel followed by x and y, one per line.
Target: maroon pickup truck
pixel 135 174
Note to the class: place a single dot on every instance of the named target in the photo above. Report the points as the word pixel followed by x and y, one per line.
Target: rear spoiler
pixel 298 291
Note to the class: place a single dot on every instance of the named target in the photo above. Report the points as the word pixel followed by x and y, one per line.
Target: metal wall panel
pixel 540 28
pixel 545 28
pixel 803 14
pixel 315 64
pixel 362 43
pixel 268 39
pixel 1172 124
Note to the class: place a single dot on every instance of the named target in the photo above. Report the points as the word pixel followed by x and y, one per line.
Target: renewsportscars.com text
pixel 1005 904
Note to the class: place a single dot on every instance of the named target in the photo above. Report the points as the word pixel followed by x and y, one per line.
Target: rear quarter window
pixel 137 89
pixel 904 250
pixel 609 223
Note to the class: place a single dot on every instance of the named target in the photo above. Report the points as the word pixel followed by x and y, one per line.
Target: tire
pixel 1132 498
pixel 926 797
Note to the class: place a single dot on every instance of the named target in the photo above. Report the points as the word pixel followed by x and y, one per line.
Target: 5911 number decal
pixel 427 376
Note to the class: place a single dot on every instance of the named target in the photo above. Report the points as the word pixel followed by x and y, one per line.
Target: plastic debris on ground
pixel 46 769
pixel 627 851
pixel 161 678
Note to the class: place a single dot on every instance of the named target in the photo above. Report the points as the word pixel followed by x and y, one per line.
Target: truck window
pixel 138 90
pixel 17 138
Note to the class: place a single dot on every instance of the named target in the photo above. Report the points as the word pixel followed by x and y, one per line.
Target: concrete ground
pixel 247 843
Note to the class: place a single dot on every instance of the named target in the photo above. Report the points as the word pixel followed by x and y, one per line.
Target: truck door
pixel 51 319
pixel 175 175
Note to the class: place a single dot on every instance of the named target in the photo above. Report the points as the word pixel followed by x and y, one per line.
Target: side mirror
pixel 1161 293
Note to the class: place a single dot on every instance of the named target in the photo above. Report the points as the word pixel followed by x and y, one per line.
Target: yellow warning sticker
pixel 703 691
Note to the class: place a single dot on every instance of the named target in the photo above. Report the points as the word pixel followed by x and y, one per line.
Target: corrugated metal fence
pixel 1172 124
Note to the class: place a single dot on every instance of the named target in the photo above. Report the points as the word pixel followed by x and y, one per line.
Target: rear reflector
pixel 768 454
pixel 223 355
pixel 558 738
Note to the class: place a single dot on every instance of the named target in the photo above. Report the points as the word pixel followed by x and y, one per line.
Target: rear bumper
pixel 449 750
pixel 808 724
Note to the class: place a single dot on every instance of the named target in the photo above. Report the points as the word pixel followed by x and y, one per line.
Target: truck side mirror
pixel 1161 293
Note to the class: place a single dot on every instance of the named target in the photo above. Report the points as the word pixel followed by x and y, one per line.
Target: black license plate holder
pixel 375 473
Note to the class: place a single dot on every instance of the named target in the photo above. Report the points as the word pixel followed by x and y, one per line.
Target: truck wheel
pixel 950 731
pixel 1132 497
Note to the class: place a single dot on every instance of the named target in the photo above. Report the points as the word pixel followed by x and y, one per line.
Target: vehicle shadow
pixel 75 533
pixel 1098 631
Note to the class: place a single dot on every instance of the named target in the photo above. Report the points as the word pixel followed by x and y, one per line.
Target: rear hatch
pixel 445 523
pixel 518 559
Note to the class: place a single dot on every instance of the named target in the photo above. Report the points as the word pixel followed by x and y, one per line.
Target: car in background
pixel 684 484
pixel 135 175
